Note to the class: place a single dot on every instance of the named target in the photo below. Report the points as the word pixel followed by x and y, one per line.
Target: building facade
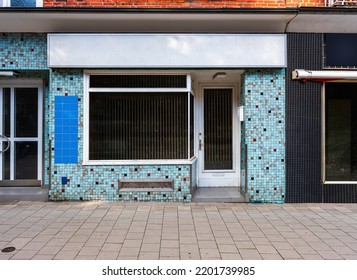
pixel 160 100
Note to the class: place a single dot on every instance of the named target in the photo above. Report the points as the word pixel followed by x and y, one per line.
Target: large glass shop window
pixel 142 124
pixel 341 132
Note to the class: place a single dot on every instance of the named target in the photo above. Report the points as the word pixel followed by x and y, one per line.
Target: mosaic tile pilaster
pixel 74 181
pixel 264 134
pixel 23 51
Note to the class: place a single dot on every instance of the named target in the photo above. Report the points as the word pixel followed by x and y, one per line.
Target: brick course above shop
pixel 214 4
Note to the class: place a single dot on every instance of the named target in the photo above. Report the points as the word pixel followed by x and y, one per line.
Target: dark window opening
pixel 340 50
pixel 130 126
pixel 138 81
pixel 341 132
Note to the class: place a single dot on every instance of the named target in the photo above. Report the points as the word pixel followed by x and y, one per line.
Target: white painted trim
pixel 340 183
pixel 323 137
pixel 12 134
pixel 214 177
pixel 40 106
pixel 139 90
pixel 137 72
pixel 25 139
pixel 189 82
pixel 188 124
pixel 139 162
pixel 86 123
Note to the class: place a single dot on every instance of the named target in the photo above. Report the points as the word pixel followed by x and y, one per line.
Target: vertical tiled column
pixel 263 133
pixel 65 131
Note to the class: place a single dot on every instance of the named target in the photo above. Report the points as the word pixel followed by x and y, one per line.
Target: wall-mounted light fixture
pixel 9 74
pixel 219 75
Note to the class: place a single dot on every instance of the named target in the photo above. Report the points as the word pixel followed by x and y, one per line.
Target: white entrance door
pixel 218 137
pixel 20 134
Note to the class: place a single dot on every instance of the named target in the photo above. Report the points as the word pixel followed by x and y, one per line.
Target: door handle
pixel 3 137
pixel 200 145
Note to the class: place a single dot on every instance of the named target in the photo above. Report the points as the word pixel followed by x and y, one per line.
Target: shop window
pixel 140 117
pixel 21 3
pixel 341 132
pixel 340 50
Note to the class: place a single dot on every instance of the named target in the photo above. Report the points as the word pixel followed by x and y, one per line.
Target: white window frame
pixel 323 136
pixel 87 90
pixel 7 3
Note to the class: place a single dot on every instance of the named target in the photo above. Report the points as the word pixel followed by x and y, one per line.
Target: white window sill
pixel 140 162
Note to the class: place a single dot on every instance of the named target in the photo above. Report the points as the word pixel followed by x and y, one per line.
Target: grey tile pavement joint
pixel 152 231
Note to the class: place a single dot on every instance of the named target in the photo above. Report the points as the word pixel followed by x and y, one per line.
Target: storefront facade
pixel 152 112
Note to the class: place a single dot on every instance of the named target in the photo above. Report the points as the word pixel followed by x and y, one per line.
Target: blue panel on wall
pixel 66 129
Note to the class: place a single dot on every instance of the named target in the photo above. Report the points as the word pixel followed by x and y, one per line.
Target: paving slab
pixel 103 230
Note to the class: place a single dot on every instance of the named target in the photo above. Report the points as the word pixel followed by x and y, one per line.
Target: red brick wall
pixel 182 3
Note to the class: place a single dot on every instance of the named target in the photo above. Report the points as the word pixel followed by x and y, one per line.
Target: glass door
pixel 218 145
pixel 21 135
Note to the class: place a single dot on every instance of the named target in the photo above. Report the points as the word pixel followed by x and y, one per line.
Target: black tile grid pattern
pixel 303 121
pixel 346 193
pixel 304 128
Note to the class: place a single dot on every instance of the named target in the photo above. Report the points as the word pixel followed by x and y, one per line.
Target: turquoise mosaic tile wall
pixel 264 134
pixel 77 182
pixel 23 51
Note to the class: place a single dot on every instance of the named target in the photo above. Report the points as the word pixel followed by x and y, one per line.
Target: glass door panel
pixel 6 163
pixel 6 112
pixel 218 138
pixel 25 160
pixel 5 130
pixel 26 115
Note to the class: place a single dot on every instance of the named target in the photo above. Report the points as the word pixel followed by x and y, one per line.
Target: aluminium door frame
pixel 23 83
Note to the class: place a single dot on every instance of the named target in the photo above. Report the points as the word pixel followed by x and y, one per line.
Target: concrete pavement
pixel 102 230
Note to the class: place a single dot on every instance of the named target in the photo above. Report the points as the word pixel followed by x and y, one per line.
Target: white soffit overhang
pixel 166 50
pixel 302 74
pixel 162 22
pixel 302 19
pixel 323 23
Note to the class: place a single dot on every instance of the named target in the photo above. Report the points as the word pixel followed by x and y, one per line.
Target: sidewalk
pixel 100 230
